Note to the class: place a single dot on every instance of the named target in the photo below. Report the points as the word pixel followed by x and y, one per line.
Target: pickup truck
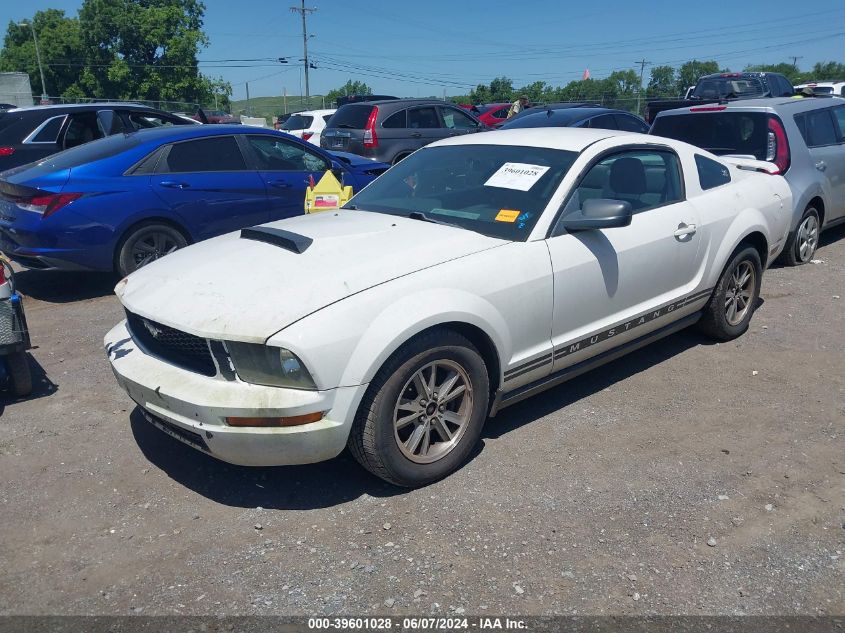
pixel 725 87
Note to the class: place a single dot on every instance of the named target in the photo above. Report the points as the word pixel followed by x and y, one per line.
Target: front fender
pixel 347 343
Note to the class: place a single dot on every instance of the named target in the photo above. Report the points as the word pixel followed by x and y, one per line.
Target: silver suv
pixel 804 137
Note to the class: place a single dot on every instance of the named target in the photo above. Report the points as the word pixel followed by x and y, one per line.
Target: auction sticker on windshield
pixel 521 176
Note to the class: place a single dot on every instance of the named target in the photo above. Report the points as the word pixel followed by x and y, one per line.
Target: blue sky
pixel 411 48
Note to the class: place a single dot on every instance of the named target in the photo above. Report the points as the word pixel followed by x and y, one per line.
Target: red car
pixel 490 114
pixel 217 116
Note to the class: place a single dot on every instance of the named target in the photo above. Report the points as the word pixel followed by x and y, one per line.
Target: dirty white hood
pixel 239 289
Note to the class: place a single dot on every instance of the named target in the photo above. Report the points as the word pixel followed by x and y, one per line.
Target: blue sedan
pixel 121 202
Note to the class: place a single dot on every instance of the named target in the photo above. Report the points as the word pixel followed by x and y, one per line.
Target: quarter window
pixel 630 124
pixel 49 131
pixel 273 154
pixel 145 120
pixel 710 173
pixel 602 122
pixel 839 117
pixel 219 153
pixel 644 178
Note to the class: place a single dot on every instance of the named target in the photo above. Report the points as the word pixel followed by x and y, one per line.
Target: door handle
pixel 685 229
pixel 280 184
pixel 416 135
pixel 174 184
pixel 821 165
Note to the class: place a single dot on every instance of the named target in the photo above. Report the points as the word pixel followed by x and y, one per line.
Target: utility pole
pixel 38 58
pixel 303 12
pixel 643 63
pixel 248 106
pixel 795 59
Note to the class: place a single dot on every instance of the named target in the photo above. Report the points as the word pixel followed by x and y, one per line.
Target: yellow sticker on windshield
pixel 507 215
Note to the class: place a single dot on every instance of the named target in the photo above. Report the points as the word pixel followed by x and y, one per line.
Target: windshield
pixel 497 190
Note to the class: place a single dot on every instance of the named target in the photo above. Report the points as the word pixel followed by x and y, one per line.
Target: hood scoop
pixel 293 242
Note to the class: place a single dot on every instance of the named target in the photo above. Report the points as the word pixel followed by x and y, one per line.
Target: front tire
pixel 424 410
pixel 146 243
pixel 20 377
pixel 729 311
pixel 803 243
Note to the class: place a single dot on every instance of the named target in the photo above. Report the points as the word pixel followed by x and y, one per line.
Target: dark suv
pixel 30 134
pixel 391 130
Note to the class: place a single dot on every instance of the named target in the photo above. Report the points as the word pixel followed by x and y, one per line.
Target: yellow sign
pixel 326 195
pixel 507 215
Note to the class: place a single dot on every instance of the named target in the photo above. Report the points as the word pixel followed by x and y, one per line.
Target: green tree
pixel 144 49
pixel 349 88
pixel 662 83
pixel 60 45
pixel 827 70
pixel 500 90
pixel 689 73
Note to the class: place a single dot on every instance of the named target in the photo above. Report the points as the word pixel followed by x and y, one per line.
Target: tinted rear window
pixel 710 173
pixel 729 87
pixel 353 117
pixel 547 118
pixel 298 122
pixel 90 152
pixel 744 133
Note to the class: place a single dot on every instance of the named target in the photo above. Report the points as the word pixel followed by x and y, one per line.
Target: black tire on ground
pixel 156 237
pixel 717 321
pixel 792 254
pixel 20 378
pixel 374 440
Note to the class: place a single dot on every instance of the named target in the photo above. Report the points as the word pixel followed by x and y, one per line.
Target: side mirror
pixel 599 213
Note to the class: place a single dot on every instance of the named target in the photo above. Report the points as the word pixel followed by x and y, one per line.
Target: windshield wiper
pixel 419 215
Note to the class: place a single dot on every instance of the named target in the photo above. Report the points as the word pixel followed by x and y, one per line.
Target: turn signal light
pixel 295 420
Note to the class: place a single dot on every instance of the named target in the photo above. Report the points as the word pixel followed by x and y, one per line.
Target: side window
pixel 839 118
pixel 501 113
pixel 421 118
pixel 396 120
pixel 801 123
pixel 457 120
pixel 644 178
pixel 48 131
pixel 788 90
pixel 603 122
pixel 81 129
pixel 109 122
pixel 326 117
pixel 820 130
pixel 274 154
pixel 144 120
pixel 219 153
pixel 630 124
pixel 710 173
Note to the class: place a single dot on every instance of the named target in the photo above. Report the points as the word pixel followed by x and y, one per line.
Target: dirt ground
pixel 599 497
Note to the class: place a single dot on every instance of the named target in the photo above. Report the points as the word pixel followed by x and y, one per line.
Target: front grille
pixel 171 345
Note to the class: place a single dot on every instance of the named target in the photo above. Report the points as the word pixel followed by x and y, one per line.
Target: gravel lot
pixel 686 478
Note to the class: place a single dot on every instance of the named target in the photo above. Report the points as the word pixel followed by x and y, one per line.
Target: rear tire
pixel 803 243
pixel 732 304
pixel 146 243
pixel 409 433
pixel 20 377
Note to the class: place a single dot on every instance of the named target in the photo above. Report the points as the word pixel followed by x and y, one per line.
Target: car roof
pixel 563 138
pixel 181 132
pixel 570 114
pixel 399 102
pixel 80 106
pixel 769 104
pixel 315 112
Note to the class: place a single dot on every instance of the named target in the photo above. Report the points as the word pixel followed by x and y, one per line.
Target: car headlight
pixel 272 366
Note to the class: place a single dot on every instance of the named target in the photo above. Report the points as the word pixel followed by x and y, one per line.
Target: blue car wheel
pixel 146 243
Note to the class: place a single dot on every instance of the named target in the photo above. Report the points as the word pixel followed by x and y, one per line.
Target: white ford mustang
pixel 477 272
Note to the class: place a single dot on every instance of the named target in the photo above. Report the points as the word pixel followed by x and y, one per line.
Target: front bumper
pixel 193 408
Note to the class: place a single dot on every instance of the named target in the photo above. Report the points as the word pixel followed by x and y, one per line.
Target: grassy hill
pixel 268 107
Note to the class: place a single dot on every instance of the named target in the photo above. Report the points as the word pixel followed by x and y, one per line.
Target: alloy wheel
pixel 433 411
pixel 740 292
pixel 152 246
pixel 807 237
